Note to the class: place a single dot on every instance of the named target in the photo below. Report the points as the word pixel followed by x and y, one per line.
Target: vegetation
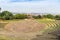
pixel 49 16
pixel 3 37
pixel 37 17
pixel 57 17
pixel 6 15
pixel 20 16
pixel 52 29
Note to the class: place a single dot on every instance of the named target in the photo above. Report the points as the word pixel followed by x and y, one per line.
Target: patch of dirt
pixel 25 26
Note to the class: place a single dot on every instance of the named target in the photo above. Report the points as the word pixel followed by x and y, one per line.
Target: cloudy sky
pixel 31 6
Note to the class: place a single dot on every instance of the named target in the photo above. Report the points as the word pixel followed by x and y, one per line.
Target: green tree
pixel 0 9
pixel 6 15
pixel 49 16
pixel 20 16
pixel 37 17
pixel 57 17
pixel 0 13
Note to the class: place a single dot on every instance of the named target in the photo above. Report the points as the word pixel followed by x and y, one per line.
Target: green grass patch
pixel 2 37
pixel 12 20
pixel 45 20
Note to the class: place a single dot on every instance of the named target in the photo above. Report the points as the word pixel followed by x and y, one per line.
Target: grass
pixel 51 26
pixel 50 23
pixel 45 20
pixel 14 20
pixel 2 37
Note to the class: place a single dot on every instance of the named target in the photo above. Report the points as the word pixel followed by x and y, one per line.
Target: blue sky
pixel 31 6
pixel 25 0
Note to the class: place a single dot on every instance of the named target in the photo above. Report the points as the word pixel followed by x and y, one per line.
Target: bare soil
pixel 25 26
pixel 26 29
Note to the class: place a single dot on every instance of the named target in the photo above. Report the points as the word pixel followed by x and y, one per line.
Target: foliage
pixel 2 37
pixel 49 16
pixel 37 17
pixel 0 14
pixel 20 16
pixel 6 15
pixel 57 17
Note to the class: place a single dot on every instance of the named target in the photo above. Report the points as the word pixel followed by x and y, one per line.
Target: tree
pixel 0 9
pixel 49 16
pixel 0 12
pixel 6 15
pixel 37 17
pixel 57 17
pixel 20 16
pixel 0 15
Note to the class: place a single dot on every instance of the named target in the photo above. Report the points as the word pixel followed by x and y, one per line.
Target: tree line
pixel 6 15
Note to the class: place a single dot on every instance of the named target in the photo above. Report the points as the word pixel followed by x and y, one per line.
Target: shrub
pixel 6 15
pixel 37 17
pixel 20 16
pixel 57 17
pixel 49 16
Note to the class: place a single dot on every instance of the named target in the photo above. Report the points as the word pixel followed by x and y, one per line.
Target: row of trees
pixel 6 15
pixel 57 17
pixel 50 16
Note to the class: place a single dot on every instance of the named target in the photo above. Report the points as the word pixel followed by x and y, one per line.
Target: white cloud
pixel 50 6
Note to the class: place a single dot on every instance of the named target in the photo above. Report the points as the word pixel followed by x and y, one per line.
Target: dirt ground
pixel 24 29
pixel 25 26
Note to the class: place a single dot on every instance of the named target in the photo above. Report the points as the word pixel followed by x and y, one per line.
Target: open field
pixel 30 29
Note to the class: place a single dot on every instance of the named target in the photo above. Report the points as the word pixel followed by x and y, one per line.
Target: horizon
pixel 31 6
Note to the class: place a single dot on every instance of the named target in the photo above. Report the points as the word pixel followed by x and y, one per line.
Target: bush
pixel 6 15
pixel 48 16
pixel 57 17
pixel 20 16
pixel 0 14
pixel 37 17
